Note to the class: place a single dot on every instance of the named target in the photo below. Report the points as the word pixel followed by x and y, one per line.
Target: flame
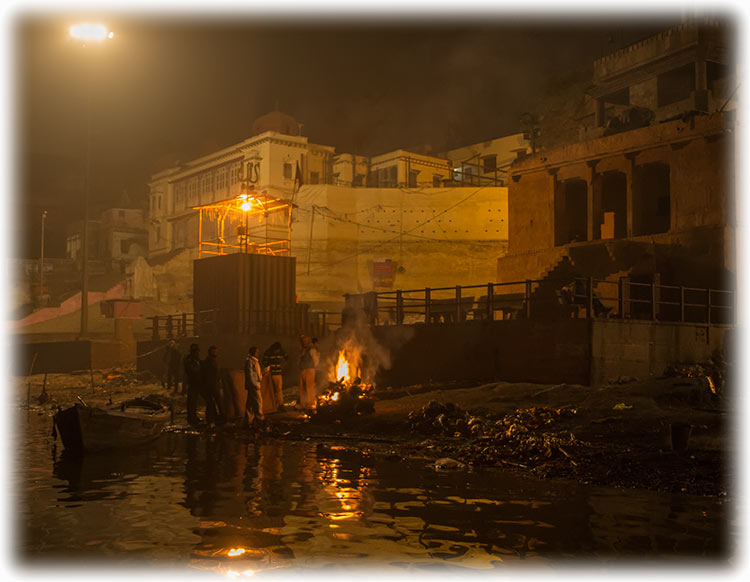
pixel 342 368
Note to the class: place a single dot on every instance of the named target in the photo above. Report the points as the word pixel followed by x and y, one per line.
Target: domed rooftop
pixel 276 121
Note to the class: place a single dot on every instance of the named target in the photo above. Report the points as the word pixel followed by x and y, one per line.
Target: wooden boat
pixel 90 428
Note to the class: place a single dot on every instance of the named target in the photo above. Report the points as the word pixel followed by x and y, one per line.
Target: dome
pixel 276 121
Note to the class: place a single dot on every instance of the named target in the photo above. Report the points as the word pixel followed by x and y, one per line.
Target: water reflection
pixel 239 508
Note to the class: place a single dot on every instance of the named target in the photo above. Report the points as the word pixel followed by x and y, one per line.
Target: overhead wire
pixel 382 243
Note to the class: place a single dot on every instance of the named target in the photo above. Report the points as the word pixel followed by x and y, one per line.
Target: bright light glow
pixel 246 206
pixel 248 573
pixel 236 552
pixel 342 368
pixel 335 396
pixel 90 31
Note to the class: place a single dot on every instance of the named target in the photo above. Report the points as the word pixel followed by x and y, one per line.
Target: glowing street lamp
pixel 87 33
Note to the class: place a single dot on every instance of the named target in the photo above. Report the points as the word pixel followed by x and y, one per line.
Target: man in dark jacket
pixel 210 385
pixel 192 381
pixel 172 361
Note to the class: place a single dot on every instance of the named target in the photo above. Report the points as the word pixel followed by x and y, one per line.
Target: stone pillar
pixel 630 173
pixel 599 113
pixel 593 202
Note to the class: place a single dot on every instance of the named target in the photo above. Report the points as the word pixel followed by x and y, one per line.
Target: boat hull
pixel 86 428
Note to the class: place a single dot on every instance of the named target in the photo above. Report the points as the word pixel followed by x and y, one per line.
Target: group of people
pixel 203 379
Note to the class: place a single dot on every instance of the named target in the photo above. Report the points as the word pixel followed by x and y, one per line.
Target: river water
pixel 223 505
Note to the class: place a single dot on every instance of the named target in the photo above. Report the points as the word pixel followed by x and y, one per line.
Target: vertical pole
pixel 653 301
pixel 590 298
pixel 490 301
pixel 183 331
pixel 682 304
pixel 620 298
pixel 309 244
pixel 527 298
pixel 708 306
pixel 85 237
pixel 41 263
pixel 200 233
pixel 458 302
pixel 399 307
pixel 427 305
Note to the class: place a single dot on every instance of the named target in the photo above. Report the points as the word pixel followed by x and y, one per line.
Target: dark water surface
pixel 223 505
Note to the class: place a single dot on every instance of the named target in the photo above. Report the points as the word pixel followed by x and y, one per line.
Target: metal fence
pixel 547 298
pixel 292 321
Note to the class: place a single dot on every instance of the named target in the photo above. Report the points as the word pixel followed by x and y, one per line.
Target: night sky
pixel 175 86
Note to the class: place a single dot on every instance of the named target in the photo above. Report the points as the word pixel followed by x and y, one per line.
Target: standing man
pixel 307 364
pixel 254 403
pixel 210 385
pixel 172 362
pixel 192 382
pixel 274 358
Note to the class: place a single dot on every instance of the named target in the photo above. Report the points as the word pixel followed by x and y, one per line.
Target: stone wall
pixel 644 349
pixel 513 350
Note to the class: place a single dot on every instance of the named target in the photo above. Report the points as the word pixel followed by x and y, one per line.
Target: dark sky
pixel 178 86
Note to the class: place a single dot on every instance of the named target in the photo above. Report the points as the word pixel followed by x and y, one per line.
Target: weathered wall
pixel 514 350
pixel 700 156
pixel 70 356
pixel 531 205
pixel 433 237
pixel 643 349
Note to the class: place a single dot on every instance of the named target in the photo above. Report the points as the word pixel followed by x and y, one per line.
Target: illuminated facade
pixel 270 162
pixel 354 223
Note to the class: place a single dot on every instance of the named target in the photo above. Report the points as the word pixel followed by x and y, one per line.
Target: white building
pixel 396 220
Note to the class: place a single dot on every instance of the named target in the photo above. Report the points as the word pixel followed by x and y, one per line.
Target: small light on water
pixel 236 552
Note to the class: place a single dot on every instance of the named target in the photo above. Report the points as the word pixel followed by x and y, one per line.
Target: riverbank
pixel 618 435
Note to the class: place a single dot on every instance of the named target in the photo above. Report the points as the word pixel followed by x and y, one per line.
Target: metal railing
pixel 176 325
pixel 282 321
pixel 548 298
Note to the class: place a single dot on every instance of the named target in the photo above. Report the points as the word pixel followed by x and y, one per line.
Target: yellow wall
pixel 434 237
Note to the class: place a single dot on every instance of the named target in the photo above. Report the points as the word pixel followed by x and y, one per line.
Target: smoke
pixel 365 354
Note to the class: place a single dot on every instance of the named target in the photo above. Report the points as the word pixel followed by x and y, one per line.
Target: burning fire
pixel 342 368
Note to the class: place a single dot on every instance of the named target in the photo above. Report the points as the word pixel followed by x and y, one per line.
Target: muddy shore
pixel 618 435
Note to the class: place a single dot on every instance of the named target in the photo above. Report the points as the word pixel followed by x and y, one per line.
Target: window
pixel 436 180
pixel 358 179
pixel 288 171
pixel 234 174
pixel 651 200
pixel 413 175
pixel 675 85
pixel 489 163
pixel 571 213
pixel 124 247
pixel 314 178
pixel 614 206
pixel 221 179
pixel 158 234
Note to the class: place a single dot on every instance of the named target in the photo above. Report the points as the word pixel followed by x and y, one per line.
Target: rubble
pixel 522 435
pixel 341 401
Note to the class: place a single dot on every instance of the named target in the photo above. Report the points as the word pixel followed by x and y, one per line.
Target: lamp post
pixel 87 34
pixel 41 264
